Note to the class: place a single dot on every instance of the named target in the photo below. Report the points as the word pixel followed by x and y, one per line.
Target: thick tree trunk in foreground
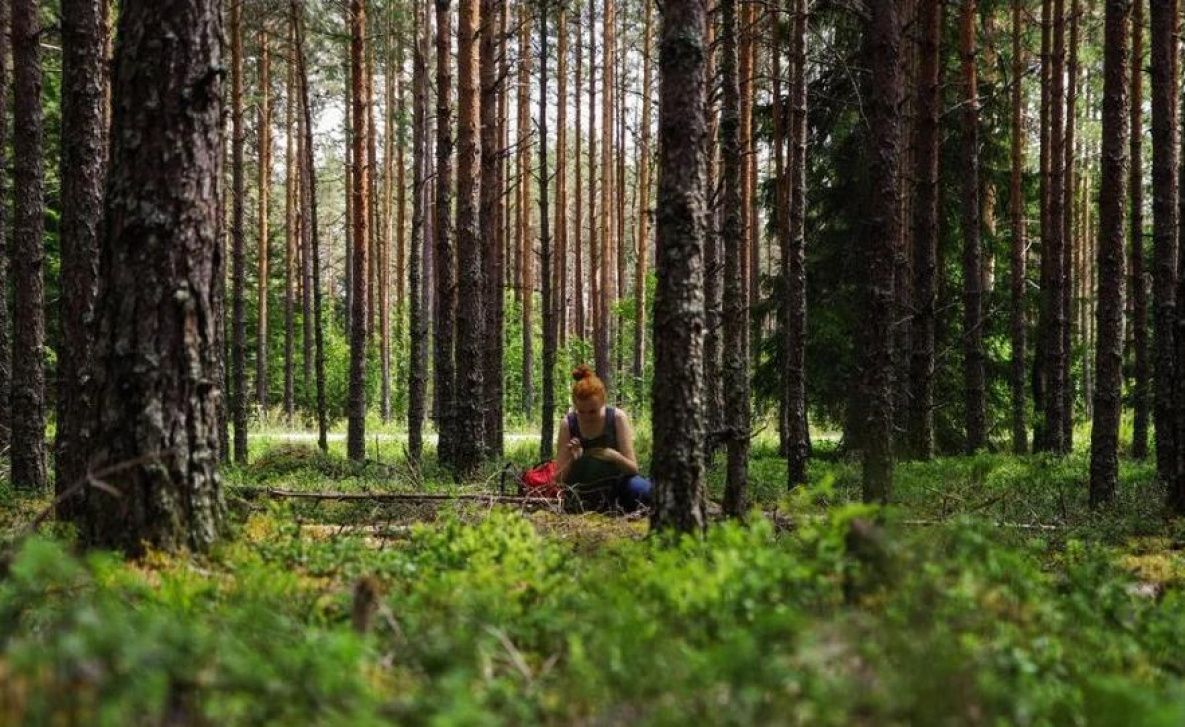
pixel 680 496
pixel 156 385
pixel 1017 324
pixel 442 253
pixel 1104 440
pixel 881 232
pixel 27 253
pixel 469 447
pixel 83 176
pixel 1138 286
pixel 736 304
pixel 1163 46
pixel 356 412
pixel 920 420
pixel 975 401
pixel 417 310
pixel 5 313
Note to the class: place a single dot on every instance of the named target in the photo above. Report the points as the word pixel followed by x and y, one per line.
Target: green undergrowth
pixel 989 595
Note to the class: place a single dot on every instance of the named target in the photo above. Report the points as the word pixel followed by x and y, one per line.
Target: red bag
pixel 540 481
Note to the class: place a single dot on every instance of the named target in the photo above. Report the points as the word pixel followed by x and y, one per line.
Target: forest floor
pixel 989 594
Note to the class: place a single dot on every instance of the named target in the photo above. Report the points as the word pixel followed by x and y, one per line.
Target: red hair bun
pixel 587 385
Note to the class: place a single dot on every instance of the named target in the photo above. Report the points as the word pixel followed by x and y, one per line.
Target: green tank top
pixel 592 478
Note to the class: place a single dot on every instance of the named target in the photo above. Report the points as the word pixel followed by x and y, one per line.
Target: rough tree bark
pixel 1163 46
pixel 920 418
pixel 1068 229
pixel 238 336
pixel 468 449
pixel 356 412
pixel 547 438
pixel 5 313
pixel 560 290
pixel 798 445
pixel 1052 294
pixel 579 329
pixel 680 495
pixel 641 252
pixel 974 385
pixel 265 185
pixel 156 385
pixel 880 235
pixel 608 231
pixel 736 304
pixel 525 246
pixel 1104 439
pixel 291 232
pixel 310 233
pixel 417 310
pixel 83 175
pixel 27 253
pixel 1017 325
pixel 491 212
pixel 442 253
pixel 1138 286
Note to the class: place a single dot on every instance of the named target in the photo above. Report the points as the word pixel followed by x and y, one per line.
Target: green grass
pixel 992 595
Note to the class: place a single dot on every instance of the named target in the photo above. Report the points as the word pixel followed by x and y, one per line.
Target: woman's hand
pixel 574 448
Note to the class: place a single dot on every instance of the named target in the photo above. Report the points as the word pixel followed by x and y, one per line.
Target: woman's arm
pixel 563 458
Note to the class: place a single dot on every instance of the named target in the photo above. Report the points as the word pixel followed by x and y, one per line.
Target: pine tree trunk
pixel 973 353
pixel 1163 46
pixel 492 209
pixel 713 265
pixel 797 430
pixel 525 246
pixel 83 175
pixel 1039 354
pixel 746 63
pixel 417 307
pixel 291 233
pixel 1104 440
pixel 356 412
pixel 265 184
pixel 1053 298
pixel 560 294
pixel 547 438
pixel 736 308
pixel 1138 286
pixel 607 231
pixel 470 403
pixel 5 251
pixel 641 251
pixel 310 232
pixel 880 239
pixel 1020 443
pixel 579 329
pixel 384 264
pixel 155 415
pixel 443 253
pixel 1068 230
pixel 920 419
pixel 594 248
pixel 680 495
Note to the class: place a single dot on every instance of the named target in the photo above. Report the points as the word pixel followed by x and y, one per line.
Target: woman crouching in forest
pixel 596 450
